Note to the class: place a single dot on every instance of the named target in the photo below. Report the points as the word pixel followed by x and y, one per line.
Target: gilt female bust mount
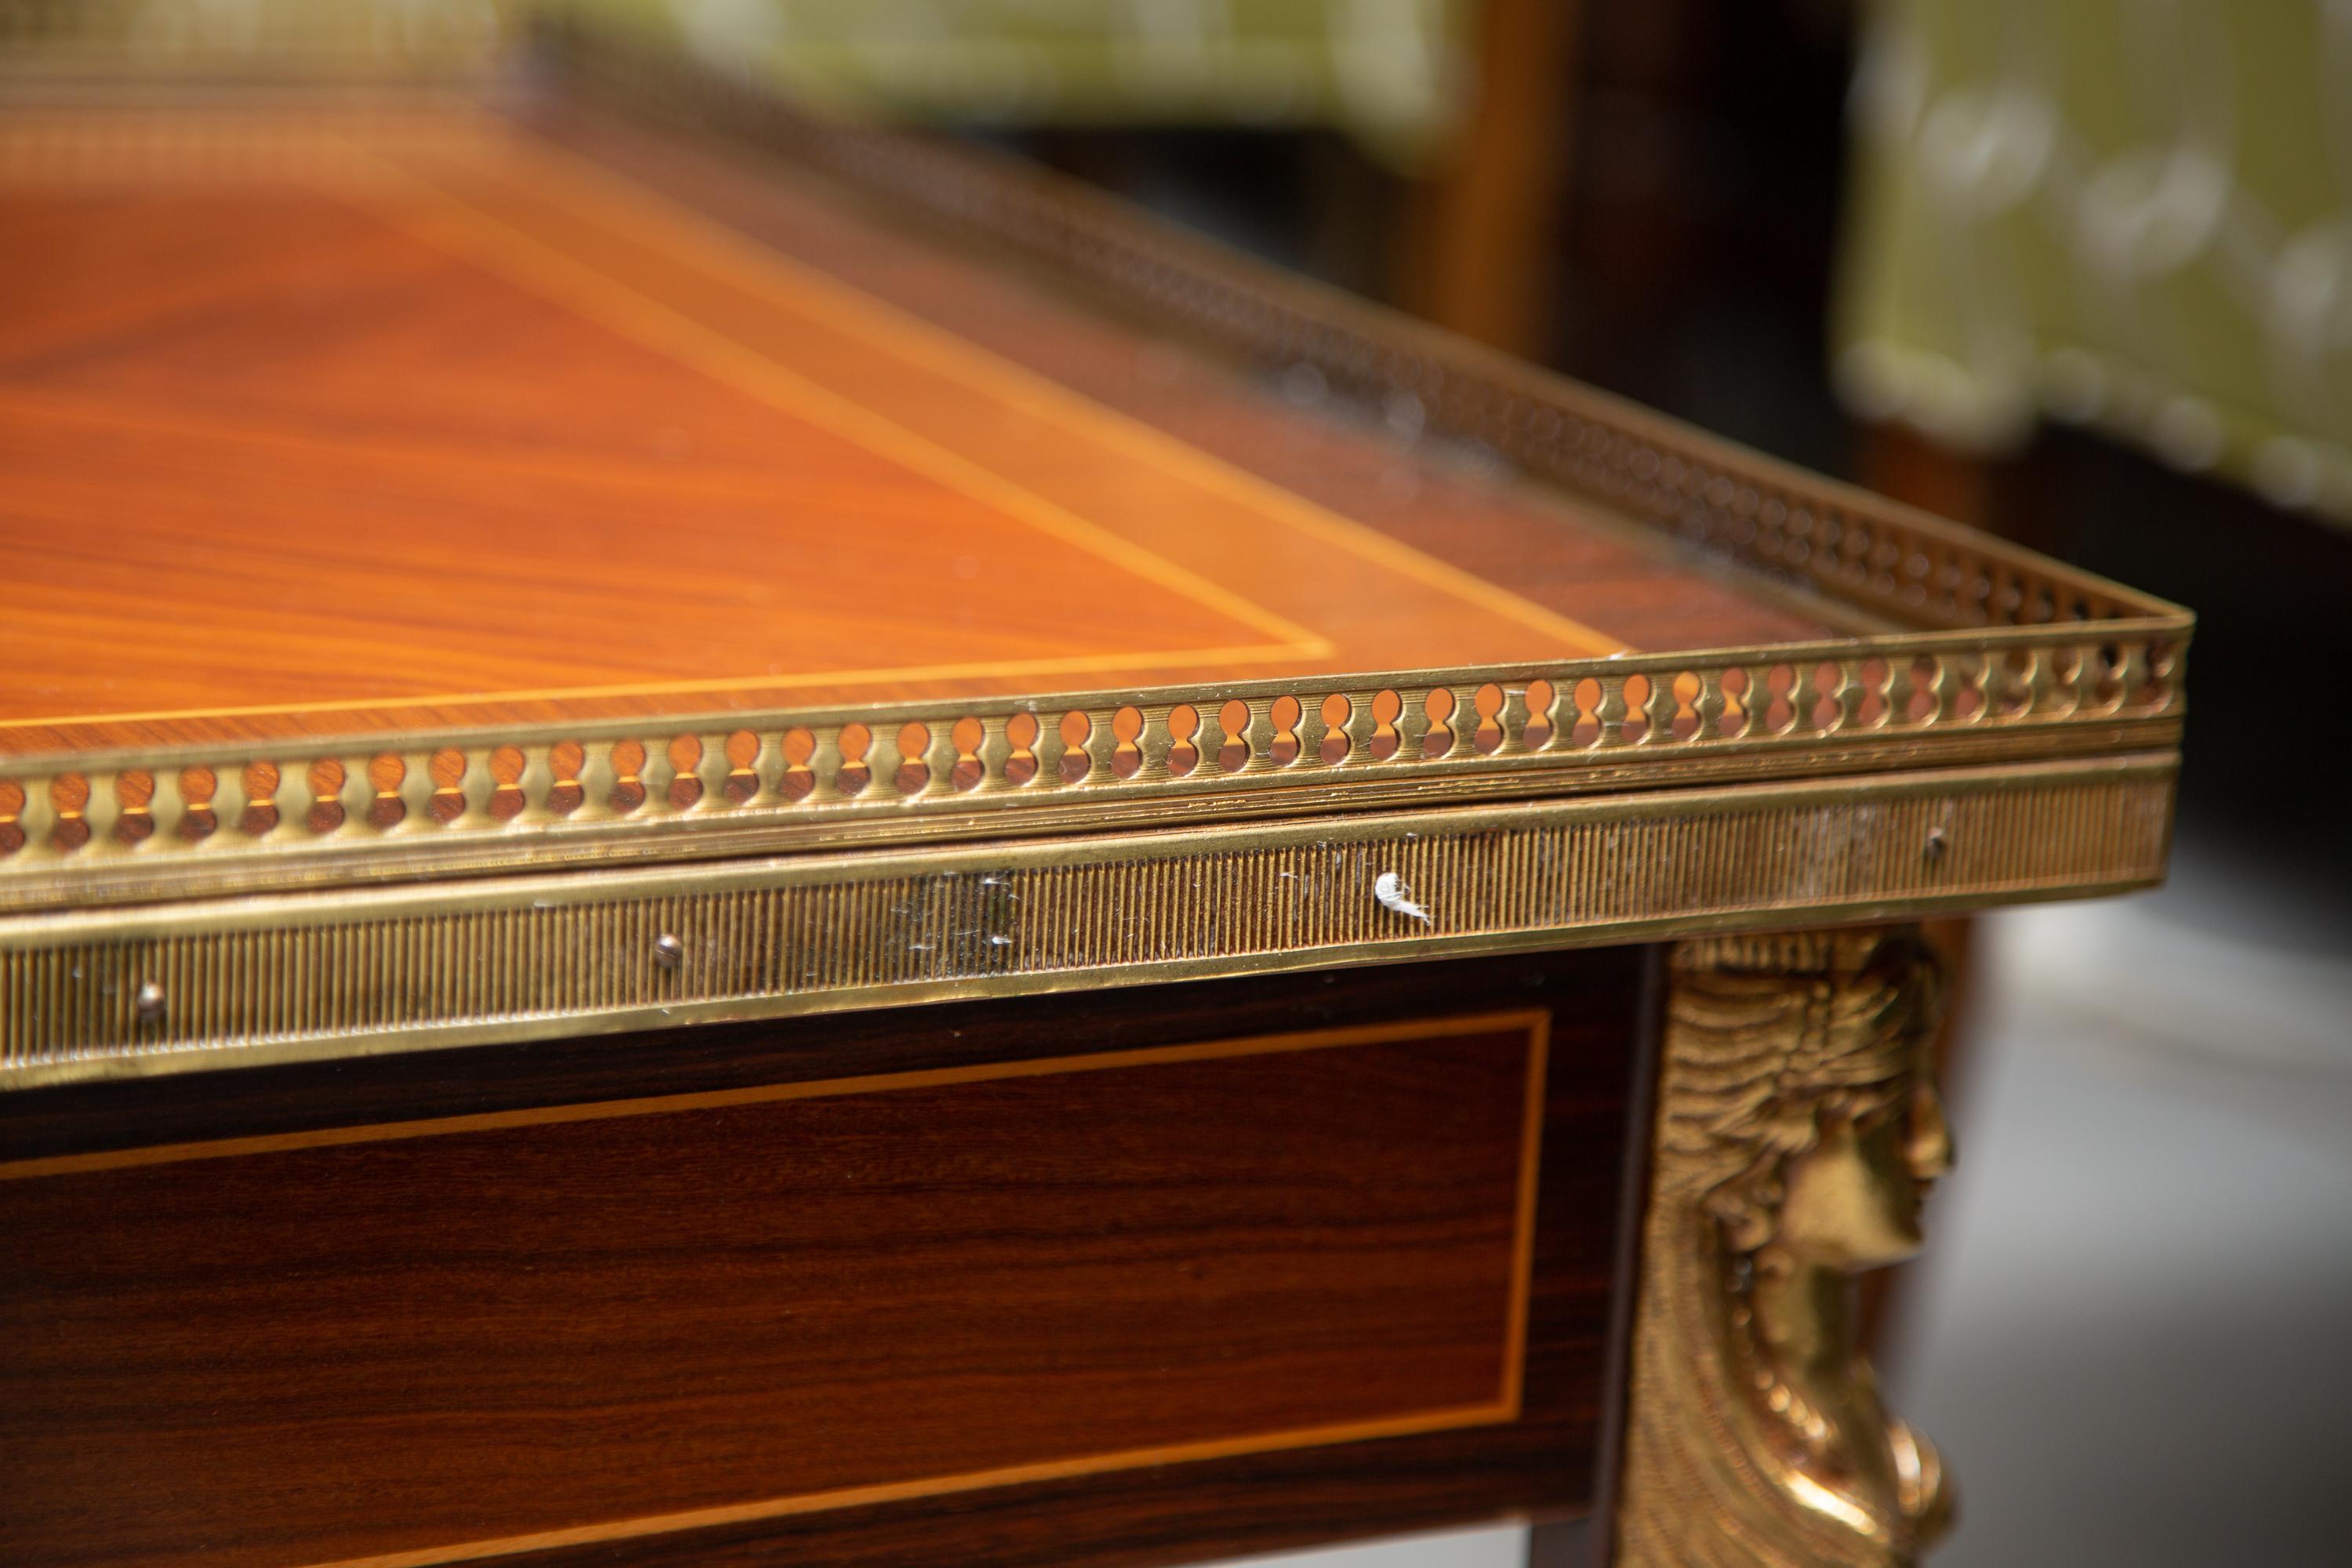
pixel 1799 1130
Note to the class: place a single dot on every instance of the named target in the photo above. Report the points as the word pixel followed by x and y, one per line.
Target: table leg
pixel 1572 1543
pixel 1798 1131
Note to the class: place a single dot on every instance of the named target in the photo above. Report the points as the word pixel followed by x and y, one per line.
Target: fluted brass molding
pixel 1798 1132
pixel 211 820
pixel 171 988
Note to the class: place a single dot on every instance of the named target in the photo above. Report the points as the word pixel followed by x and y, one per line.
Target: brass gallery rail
pixel 203 820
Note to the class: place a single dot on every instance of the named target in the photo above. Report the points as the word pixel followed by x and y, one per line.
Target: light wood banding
pixel 685 1313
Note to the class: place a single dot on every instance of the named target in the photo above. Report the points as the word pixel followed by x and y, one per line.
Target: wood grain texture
pixel 1078 1236
pixel 317 426
pixel 1563 552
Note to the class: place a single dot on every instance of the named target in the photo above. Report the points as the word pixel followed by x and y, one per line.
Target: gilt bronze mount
pixel 1798 1130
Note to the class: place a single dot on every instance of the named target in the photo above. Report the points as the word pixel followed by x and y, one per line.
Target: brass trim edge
pixel 191 821
pixel 307 976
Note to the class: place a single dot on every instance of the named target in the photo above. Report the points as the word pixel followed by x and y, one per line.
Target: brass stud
pixel 1936 843
pixel 668 952
pixel 150 1001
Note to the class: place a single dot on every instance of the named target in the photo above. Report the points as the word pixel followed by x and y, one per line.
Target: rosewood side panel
pixel 1144 1276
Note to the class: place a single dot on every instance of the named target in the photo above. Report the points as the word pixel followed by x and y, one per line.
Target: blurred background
pixel 2075 271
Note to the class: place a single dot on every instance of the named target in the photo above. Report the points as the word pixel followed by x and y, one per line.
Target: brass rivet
pixel 668 952
pixel 1936 843
pixel 150 1001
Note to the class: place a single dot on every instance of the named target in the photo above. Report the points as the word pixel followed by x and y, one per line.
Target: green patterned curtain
pixel 2135 214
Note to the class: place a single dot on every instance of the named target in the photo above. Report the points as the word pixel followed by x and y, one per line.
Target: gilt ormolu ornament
pixel 1798 1131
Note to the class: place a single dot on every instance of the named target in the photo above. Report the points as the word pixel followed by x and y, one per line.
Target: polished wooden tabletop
pixel 326 422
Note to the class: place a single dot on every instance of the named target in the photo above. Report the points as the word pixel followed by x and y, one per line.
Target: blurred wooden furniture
pixel 780 846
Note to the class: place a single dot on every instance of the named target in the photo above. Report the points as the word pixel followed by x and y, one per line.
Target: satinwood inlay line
pixel 1532 1025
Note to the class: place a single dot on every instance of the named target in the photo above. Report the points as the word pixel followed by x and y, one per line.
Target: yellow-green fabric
pixel 2135 214
pixel 1393 73
pixel 340 36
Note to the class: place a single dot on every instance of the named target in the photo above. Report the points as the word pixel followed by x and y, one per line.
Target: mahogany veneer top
pixel 318 422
